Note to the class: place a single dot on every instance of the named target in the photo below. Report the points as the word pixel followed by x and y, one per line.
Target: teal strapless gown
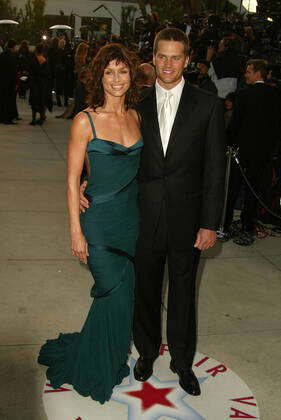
pixel 94 360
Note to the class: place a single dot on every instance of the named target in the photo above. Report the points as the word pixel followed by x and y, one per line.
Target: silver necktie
pixel 164 119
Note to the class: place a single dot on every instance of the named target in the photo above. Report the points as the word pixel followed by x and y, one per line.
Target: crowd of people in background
pixel 222 49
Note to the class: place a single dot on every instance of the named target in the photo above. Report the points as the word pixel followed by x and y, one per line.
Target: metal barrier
pixel 233 153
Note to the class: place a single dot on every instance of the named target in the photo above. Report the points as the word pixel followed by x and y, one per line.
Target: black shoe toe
pixel 187 380
pixel 143 369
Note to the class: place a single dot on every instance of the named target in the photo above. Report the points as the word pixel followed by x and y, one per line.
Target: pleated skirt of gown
pixel 94 360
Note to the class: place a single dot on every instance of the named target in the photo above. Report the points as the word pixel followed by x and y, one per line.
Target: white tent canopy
pixel 60 27
pixel 8 22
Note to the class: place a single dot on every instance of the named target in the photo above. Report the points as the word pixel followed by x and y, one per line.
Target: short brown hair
pixel 106 54
pixel 171 34
pixel 259 65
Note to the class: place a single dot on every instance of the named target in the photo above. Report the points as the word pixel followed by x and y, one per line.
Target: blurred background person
pixel 81 62
pixel 146 75
pixel 255 129
pixel 52 59
pixel 204 80
pixel 2 43
pixel 229 103
pixel 251 42
pixel 225 66
pixel 80 91
pixel 40 96
pixel 61 73
pixel 24 58
pixel 81 59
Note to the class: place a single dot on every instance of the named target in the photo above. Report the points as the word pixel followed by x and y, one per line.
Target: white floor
pixel 41 284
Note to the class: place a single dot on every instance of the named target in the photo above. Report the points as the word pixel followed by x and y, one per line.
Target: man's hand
pixel 206 238
pixel 83 202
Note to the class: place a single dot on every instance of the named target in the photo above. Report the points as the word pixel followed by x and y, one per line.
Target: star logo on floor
pixel 224 396
pixel 154 399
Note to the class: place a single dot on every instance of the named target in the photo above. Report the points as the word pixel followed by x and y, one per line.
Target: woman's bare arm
pixel 78 140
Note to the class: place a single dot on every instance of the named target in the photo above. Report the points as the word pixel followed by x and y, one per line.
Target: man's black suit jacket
pixel 255 122
pixel 189 180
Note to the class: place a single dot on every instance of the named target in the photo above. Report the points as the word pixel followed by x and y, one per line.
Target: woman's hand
pixel 79 247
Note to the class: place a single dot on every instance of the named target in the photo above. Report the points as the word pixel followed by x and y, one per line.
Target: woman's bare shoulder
pixel 81 119
pixel 81 125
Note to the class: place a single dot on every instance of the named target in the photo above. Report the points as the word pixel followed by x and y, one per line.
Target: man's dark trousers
pixel 181 320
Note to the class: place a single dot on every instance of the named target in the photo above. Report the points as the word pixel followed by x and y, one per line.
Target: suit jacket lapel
pixel 152 116
pixel 185 110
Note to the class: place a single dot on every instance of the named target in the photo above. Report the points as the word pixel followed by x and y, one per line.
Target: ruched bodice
pixel 122 163
pixel 94 361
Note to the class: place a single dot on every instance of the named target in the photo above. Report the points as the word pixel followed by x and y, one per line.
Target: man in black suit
pixel 255 129
pixel 181 188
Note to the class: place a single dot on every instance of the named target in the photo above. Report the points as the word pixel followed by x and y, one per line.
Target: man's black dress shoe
pixel 187 380
pixel 143 369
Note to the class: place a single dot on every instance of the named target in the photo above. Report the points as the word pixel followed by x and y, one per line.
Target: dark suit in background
pixel 179 194
pixel 255 129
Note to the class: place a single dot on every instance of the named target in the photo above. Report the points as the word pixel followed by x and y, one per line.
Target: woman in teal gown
pixel 105 235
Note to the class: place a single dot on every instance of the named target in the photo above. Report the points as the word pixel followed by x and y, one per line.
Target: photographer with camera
pixel 204 80
pixel 225 66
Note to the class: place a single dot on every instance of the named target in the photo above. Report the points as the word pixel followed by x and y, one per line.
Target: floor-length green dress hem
pixel 57 347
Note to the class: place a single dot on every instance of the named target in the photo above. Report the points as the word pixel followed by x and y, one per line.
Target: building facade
pixel 88 12
pixel 98 15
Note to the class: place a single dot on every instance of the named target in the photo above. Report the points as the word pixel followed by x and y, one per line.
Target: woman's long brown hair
pixel 108 53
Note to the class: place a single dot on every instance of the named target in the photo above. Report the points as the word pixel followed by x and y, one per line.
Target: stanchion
pixel 233 153
pixel 235 156
pixel 220 233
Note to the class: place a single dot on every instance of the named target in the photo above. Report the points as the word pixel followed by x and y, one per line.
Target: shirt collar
pixel 175 90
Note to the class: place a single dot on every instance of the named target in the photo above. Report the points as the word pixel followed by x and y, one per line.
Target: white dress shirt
pixel 175 99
